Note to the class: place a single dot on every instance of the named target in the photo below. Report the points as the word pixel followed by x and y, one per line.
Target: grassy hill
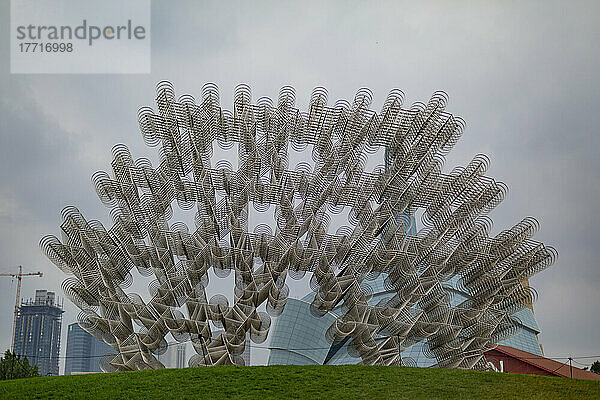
pixel 296 382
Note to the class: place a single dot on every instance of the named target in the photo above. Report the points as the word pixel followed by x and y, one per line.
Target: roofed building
pixel 516 361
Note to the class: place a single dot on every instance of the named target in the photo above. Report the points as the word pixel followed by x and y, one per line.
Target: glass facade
pixel 37 335
pixel 174 357
pixel 526 339
pixel 84 351
pixel 298 337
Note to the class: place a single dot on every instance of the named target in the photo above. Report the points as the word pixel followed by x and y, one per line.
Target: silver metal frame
pixel 453 241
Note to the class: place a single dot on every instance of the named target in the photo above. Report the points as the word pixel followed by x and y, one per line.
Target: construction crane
pixel 19 276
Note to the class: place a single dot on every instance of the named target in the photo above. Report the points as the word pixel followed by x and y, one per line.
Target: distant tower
pixel 84 351
pixel 37 335
pixel 174 357
pixel 246 353
pixel 180 356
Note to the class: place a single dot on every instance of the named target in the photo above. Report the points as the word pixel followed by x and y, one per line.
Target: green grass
pixel 296 382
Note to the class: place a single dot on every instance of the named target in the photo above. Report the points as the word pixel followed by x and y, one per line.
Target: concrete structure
pixel 515 361
pixel 84 351
pixel 37 334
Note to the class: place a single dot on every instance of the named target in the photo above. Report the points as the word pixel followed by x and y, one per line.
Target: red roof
pixel 554 367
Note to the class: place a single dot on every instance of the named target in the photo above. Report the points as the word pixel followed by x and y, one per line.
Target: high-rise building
pixel 37 335
pixel 174 357
pixel 84 351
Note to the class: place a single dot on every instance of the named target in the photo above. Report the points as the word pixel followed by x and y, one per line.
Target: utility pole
pixel 19 276
pixel 571 366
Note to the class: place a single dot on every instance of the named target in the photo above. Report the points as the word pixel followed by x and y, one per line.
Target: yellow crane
pixel 19 276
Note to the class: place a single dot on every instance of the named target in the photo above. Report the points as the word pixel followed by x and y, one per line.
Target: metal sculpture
pixel 454 241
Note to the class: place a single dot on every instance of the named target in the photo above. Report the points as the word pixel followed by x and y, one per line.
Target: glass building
pixel 174 357
pixel 84 351
pixel 298 337
pixel 37 335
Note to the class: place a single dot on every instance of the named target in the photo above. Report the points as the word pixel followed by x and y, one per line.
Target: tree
pixel 13 367
pixel 595 368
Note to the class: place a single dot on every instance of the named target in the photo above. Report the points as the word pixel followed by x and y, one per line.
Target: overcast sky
pixel 523 76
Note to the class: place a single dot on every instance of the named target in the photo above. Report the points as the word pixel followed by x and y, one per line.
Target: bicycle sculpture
pixel 454 240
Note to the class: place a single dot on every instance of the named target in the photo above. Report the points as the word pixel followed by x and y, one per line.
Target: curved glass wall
pixel 299 337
